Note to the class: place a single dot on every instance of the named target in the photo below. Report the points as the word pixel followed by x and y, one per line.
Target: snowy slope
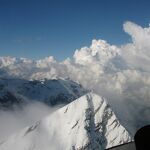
pixel 52 92
pixel 87 123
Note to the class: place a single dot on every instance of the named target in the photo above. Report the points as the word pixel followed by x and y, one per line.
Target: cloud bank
pixel 119 73
pixel 13 121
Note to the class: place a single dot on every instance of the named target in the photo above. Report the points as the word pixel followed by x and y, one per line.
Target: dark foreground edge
pixel 127 146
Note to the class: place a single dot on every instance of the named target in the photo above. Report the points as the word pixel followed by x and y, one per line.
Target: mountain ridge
pixel 52 92
pixel 87 123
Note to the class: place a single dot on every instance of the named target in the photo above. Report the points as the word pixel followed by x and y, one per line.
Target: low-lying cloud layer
pixel 13 121
pixel 119 73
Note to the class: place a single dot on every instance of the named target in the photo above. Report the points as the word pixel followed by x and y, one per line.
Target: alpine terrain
pixel 17 92
pixel 87 123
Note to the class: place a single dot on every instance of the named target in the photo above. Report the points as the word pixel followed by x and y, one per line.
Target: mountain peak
pixel 86 123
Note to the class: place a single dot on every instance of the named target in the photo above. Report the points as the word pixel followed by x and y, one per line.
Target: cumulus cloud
pixel 119 73
pixel 137 54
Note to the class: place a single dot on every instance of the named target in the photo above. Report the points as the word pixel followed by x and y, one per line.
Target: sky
pixel 39 28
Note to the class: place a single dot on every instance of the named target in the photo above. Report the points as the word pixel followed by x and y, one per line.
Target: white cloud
pixel 13 121
pixel 121 74
pixel 137 54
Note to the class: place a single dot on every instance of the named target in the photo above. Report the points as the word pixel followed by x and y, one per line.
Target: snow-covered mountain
pixel 87 123
pixel 55 91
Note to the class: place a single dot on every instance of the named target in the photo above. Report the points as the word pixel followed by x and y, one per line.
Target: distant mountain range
pixel 15 92
pixel 11 67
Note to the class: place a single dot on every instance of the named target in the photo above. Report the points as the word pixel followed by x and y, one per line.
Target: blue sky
pixel 39 28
